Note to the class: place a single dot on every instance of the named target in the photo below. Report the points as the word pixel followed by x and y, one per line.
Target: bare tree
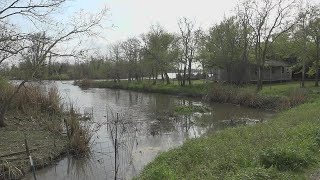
pixel 34 10
pixel 116 57
pixel 189 43
pixel 268 20
pixel 131 49
pixel 38 47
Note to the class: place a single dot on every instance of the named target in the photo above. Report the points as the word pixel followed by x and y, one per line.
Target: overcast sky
pixel 133 17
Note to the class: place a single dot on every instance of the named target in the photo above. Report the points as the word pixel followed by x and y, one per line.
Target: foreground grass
pixel 283 148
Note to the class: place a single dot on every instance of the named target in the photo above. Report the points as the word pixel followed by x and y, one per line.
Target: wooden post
pixel 116 149
pixel 30 158
pixel 67 128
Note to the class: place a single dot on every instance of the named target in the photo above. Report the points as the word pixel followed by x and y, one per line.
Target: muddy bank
pixel 45 146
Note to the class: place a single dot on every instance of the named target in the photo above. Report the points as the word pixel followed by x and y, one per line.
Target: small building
pixel 273 71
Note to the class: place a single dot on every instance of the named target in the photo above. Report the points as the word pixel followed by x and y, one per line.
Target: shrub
pixel 85 83
pixel 38 99
pixel 298 96
pixel 80 135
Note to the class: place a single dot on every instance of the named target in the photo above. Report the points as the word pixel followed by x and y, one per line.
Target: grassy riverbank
pixel 274 97
pixel 287 147
pixel 37 115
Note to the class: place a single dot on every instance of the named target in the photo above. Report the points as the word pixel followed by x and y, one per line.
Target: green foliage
pixel 191 109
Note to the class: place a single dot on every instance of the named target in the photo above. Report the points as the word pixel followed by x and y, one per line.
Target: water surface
pixel 151 127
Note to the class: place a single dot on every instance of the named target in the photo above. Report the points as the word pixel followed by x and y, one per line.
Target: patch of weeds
pixel 191 109
pixel 286 159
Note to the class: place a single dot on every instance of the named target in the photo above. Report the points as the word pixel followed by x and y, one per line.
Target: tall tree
pixel 131 49
pixel 189 43
pixel 269 19
pixel 159 46
pixel 224 45
pixel 314 32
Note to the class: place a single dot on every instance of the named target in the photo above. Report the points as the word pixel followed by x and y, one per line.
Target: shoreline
pixel 285 147
pixel 279 155
pixel 211 92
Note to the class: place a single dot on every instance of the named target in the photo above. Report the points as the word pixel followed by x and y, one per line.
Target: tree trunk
pixel 189 69
pixel 118 78
pixel 317 63
pixel 303 73
pixel 2 113
pixel 155 79
pixel 167 78
pixel 260 78
pixel 184 75
pixel 162 77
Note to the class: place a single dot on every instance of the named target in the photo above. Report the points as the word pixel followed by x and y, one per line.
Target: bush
pixel 85 83
pixel 80 135
pixel 298 96
pixel 38 99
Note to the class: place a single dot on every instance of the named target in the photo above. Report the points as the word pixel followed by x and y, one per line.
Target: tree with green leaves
pixel 222 48
pixel 131 49
pixel 159 48
pixel 314 32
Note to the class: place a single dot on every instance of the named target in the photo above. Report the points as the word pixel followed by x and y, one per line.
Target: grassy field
pixel 286 147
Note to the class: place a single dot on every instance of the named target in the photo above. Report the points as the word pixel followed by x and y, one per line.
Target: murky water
pixel 152 129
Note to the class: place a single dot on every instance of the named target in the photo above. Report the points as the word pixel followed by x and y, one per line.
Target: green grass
pixel 286 147
pixel 191 109
pixel 283 89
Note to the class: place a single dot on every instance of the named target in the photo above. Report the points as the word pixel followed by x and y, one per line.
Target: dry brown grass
pixel 80 135
pixel 236 95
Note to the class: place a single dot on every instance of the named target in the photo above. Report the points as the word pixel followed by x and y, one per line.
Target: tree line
pixel 283 30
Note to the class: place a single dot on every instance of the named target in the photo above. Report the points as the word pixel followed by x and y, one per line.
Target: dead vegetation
pixel 36 112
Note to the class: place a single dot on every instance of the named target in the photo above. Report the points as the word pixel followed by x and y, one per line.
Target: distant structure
pixel 273 71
